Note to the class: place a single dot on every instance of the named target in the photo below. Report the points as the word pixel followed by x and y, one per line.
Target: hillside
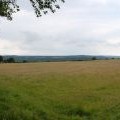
pixel 57 58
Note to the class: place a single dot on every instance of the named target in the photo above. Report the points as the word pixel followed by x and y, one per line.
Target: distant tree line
pixel 9 60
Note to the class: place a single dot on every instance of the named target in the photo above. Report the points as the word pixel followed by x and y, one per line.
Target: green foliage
pixel 94 58
pixel 1 59
pixel 10 60
pixel 44 5
pixel 8 7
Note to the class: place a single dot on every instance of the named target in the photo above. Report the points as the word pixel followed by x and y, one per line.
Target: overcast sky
pixel 90 27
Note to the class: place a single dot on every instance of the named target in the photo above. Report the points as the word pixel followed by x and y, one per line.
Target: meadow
pixel 86 90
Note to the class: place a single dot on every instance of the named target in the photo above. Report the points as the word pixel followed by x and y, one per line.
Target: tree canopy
pixel 8 7
pixel 1 59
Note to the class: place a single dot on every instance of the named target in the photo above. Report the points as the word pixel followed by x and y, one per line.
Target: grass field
pixel 87 90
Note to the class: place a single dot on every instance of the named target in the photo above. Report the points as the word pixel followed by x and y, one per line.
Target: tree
pixel 94 58
pixel 1 59
pixel 24 61
pixel 11 60
pixel 8 7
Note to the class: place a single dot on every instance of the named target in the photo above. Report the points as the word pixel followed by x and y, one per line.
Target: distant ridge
pixel 57 58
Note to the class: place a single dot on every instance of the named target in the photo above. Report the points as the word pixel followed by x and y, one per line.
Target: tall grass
pixel 60 91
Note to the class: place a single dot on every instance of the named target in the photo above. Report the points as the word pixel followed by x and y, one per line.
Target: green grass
pixel 60 91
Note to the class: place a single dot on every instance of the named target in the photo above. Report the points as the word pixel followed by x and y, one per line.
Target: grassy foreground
pixel 60 91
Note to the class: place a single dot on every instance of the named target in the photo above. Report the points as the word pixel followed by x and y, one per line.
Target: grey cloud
pixel 79 27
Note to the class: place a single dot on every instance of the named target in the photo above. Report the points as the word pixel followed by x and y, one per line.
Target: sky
pixel 80 27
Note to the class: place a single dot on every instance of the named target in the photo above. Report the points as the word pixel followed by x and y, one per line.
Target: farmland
pixel 87 90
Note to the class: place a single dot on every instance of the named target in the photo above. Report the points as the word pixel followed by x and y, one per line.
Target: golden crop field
pixel 86 90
